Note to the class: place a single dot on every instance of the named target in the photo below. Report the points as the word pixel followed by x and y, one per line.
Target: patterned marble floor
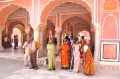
pixel 43 73
pixel 15 70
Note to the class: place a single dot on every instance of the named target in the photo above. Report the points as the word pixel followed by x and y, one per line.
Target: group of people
pixel 70 54
pixel 6 41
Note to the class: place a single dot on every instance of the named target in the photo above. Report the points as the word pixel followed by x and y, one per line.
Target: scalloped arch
pixel 52 4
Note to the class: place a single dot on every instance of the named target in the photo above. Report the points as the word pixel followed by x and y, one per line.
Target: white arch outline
pixel 104 23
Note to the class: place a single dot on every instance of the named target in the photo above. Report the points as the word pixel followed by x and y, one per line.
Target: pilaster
pixel 97 43
pixel 1 48
pixel 58 33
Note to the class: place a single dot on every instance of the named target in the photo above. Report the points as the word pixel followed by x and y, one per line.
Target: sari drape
pixel 88 63
pixel 76 54
pixel 64 55
pixel 51 56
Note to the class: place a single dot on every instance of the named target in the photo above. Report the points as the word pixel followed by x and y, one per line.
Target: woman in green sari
pixel 51 52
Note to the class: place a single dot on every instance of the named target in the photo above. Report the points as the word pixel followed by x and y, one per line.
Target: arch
pixel 52 4
pixel 13 25
pixel 83 30
pixel 110 27
pixel 86 33
pixel 51 28
pixel 5 11
pixel 74 17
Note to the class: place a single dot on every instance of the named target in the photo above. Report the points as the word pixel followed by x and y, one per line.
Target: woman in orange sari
pixel 88 63
pixel 64 53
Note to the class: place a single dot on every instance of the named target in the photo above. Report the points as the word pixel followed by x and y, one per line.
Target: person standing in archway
pixel 6 41
pixel 82 42
pixel 88 63
pixel 15 41
pixel 34 46
pixel 26 46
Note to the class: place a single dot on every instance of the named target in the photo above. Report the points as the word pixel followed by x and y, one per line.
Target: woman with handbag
pixel 51 53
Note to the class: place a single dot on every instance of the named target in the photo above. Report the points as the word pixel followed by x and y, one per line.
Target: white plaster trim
pixel 119 25
pixel 22 6
pixel 104 23
pixel 109 11
pixel 6 1
pixel 110 39
pixel 38 11
pixel 95 11
pixel 113 43
pixel 110 63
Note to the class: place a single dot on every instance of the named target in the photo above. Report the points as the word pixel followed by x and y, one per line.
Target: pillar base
pixel 1 49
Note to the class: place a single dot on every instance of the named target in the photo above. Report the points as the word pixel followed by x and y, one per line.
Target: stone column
pixel 36 33
pixel 41 40
pixel 23 39
pixel 97 43
pixel 9 36
pixel 27 31
pixel 28 35
pixel 42 36
pixel 58 32
pixel 1 48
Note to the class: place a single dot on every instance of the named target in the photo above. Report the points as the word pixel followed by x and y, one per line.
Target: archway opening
pixel 16 32
pixel 19 18
pixel 71 17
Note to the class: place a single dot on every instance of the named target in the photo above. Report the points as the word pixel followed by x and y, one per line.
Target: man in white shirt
pixel 34 46
pixel 26 46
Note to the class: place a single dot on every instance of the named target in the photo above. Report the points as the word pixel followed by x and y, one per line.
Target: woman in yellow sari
pixel 64 53
pixel 88 63
pixel 51 52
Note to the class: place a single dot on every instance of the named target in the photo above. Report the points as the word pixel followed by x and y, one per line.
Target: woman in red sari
pixel 64 53
pixel 88 63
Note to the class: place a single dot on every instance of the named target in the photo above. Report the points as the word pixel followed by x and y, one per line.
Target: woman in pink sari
pixel 76 55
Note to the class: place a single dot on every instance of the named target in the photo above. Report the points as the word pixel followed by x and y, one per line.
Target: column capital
pixel 42 27
pixel 96 26
pixel 27 30
pixel 58 29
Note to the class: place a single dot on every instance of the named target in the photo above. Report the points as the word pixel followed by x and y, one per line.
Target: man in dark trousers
pixel 34 46
pixel 15 42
